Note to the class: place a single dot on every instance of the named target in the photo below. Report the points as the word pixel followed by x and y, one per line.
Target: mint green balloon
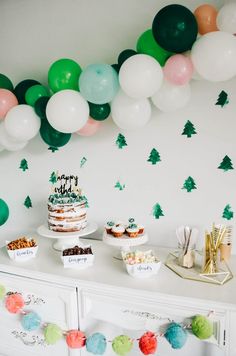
pixel 99 83
pixel 4 212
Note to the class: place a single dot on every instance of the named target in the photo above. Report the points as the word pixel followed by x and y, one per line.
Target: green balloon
pixel 147 44
pixel 4 212
pixel 99 112
pixel 5 83
pixel 34 93
pixel 22 87
pixel 64 74
pixel 53 137
pixel 40 107
pixel 125 55
pixel 116 66
pixel 175 28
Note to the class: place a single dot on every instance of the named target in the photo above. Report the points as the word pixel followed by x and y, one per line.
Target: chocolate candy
pixel 77 251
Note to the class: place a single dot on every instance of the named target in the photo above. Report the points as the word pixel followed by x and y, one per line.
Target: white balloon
pixel 67 111
pixel 140 76
pixel 171 97
pixel 22 123
pixel 213 55
pixel 129 113
pixel 226 18
pixel 9 143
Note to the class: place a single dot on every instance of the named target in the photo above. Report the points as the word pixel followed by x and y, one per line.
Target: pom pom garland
pixel 148 343
pixel 202 327
pixel 2 292
pixel 122 344
pixel 75 339
pixel 96 344
pixel 14 303
pixel 52 333
pixel 31 321
pixel 176 335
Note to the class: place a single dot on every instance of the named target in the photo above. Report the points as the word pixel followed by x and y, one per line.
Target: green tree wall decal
pixel 154 156
pixel 226 164
pixel 189 129
pixel 83 161
pixel 119 186
pixel 222 99
pixel 157 211
pixel 27 202
pixel 189 184
pixel 227 213
pixel 53 178
pixel 24 165
pixel 121 141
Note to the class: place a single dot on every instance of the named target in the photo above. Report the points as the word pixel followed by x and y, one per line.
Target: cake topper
pixel 63 184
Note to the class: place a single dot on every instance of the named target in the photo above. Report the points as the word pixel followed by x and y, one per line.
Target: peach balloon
pixel 90 128
pixel 7 101
pixel 206 18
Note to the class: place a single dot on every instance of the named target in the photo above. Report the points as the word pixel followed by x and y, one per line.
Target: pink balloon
pixel 90 128
pixel 178 69
pixel 7 101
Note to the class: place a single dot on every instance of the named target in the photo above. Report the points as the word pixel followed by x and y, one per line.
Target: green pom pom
pixel 2 292
pixel 202 327
pixel 52 333
pixel 122 345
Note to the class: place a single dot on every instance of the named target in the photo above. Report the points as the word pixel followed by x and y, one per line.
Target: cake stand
pixel 124 242
pixel 66 239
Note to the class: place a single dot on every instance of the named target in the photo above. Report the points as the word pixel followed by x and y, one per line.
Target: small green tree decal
pixel 189 129
pixel 222 99
pixel 189 184
pixel 119 186
pixel 227 213
pixel 154 156
pixel 226 164
pixel 27 202
pixel 53 178
pixel 24 165
pixel 83 161
pixel 121 141
pixel 53 149
pixel 157 211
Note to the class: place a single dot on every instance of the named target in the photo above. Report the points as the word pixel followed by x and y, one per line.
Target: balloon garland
pixel 175 333
pixel 166 58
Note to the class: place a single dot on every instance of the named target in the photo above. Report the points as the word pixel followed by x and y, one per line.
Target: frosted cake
pixel 67 207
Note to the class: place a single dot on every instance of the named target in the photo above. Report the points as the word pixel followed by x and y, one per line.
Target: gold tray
pixel 195 273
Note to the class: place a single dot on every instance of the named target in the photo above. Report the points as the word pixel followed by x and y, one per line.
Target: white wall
pixel 36 33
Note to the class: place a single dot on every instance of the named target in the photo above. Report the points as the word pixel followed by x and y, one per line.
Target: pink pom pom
pixel 148 343
pixel 75 339
pixel 14 303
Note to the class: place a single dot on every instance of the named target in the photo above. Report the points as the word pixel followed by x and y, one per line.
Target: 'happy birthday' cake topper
pixel 63 184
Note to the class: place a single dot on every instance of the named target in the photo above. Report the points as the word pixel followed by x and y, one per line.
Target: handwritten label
pixel 78 261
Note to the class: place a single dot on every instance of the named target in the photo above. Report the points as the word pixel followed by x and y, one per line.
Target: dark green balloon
pixel 22 87
pixel 4 212
pixel 53 137
pixel 175 28
pixel 40 107
pixel 99 112
pixel 5 82
pixel 125 55
pixel 116 66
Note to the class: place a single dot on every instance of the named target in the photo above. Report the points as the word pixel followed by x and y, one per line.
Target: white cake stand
pixel 66 239
pixel 124 242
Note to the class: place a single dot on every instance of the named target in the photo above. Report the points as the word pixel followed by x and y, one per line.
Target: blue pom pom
pixel 96 344
pixel 176 335
pixel 31 321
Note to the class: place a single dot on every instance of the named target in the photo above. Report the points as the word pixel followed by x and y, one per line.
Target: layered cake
pixel 67 207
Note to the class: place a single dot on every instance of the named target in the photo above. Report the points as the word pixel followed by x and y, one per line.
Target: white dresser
pixel 105 298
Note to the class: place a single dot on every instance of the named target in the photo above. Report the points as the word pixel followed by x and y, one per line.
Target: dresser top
pixel 108 272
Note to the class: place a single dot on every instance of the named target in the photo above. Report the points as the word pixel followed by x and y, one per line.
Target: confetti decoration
pixel 121 141
pixel 189 129
pixel 157 211
pixel 83 161
pixel 53 149
pixel 119 186
pixel 227 213
pixel 53 178
pixel 226 164
pixel 24 165
pixel 154 156
pixel 222 99
pixel 189 184
pixel 27 202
